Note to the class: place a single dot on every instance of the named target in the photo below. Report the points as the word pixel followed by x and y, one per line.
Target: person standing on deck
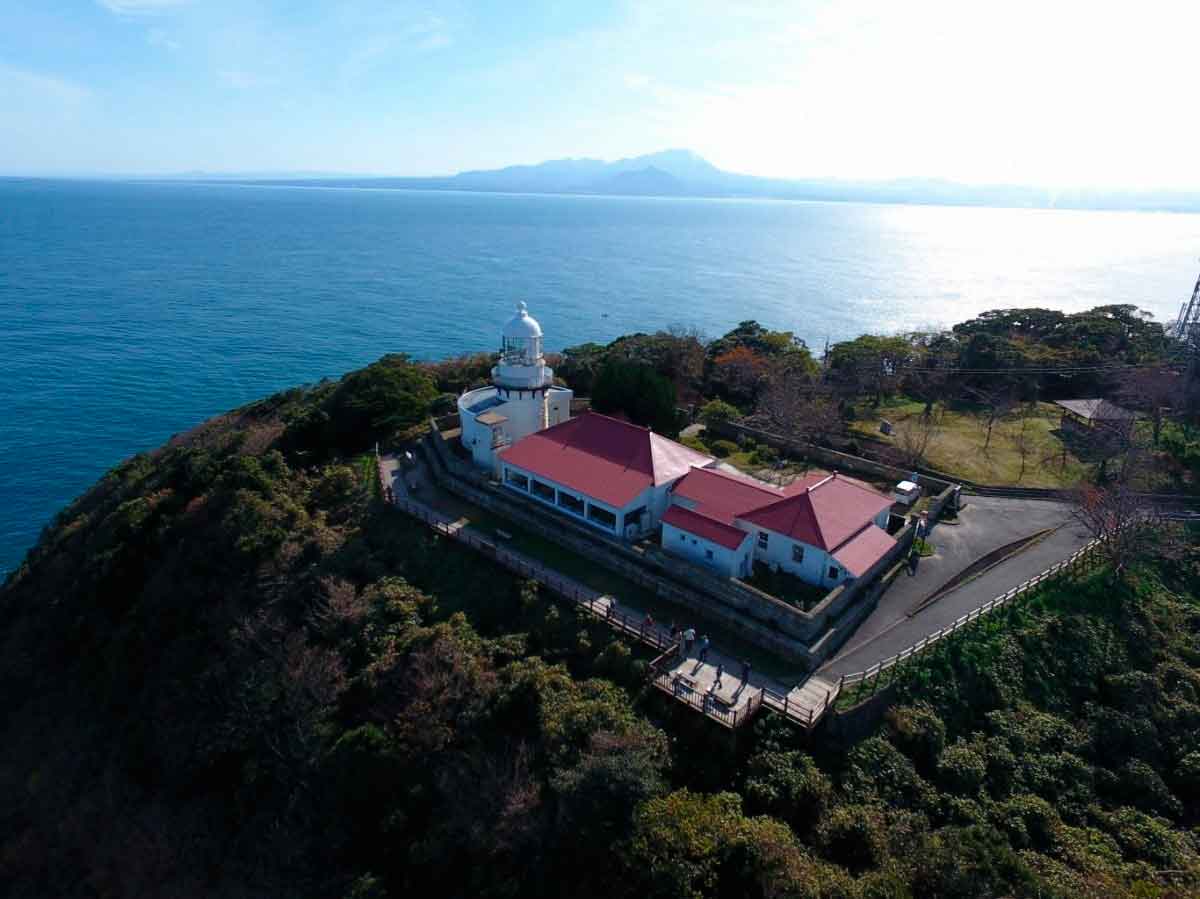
pixel 703 648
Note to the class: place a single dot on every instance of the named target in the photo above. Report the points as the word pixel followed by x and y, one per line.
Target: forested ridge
pixel 229 670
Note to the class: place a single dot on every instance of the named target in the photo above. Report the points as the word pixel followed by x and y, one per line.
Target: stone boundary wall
pixel 840 461
pixel 850 726
pixel 807 637
pixel 806 626
pixel 761 619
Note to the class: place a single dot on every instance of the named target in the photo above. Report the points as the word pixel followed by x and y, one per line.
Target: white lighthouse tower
pixel 520 400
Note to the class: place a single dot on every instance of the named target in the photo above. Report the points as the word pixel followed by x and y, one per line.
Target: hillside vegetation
pixel 229 671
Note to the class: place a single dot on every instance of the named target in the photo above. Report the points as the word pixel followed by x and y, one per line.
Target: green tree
pixel 374 403
pixel 639 392
pixel 788 786
pixel 718 411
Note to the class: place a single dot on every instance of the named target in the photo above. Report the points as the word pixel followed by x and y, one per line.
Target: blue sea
pixel 132 311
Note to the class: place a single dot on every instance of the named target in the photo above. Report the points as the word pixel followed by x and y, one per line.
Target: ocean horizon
pixel 131 311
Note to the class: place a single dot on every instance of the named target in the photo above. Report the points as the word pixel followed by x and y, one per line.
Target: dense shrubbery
pixel 227 671
pixel 637 391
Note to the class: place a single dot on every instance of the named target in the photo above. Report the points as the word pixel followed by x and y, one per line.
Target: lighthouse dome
pixel 522 325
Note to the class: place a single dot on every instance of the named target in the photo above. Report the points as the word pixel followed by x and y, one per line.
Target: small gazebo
pixel 1095 415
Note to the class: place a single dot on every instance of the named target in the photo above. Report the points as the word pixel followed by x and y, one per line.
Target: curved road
pixel 984 524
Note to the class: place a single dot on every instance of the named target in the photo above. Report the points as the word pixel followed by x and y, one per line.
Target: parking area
pixel 983 525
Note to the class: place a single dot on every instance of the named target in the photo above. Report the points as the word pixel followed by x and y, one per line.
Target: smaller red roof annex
pixel 824 515
pixel 831 512
pixel 602 458
pixel 723 496
pixel 864 549
pixel 714 531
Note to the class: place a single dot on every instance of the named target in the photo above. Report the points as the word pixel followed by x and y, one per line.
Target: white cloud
pixel 43 88
pixel 140 7
pixel 157 37
pixel 240 79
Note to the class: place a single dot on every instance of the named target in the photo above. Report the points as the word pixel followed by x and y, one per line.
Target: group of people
pixel 685 639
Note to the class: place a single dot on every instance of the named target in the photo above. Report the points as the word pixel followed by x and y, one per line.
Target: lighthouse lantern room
pixel 522 398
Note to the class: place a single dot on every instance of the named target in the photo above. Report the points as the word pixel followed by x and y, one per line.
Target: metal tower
pixel 1187 326
pixel 1187 332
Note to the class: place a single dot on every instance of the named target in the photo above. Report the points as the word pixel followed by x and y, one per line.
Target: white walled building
pixel 521 400
pixel 608 473
pixel 825 529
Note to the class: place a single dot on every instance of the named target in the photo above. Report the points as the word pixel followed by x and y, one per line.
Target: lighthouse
pixel 522 398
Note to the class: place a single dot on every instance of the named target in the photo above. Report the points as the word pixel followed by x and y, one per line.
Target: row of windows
pixel 763 538
pixel 797 549
pixel 683 538
pixel 561 498
pixel 797 553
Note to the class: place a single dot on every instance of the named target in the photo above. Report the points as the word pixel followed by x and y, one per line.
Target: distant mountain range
pixel 682 173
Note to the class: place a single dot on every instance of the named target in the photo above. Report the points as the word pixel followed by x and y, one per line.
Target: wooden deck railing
pixel 703 701
pixel 806 716
pixel 593 602
pixel 849 686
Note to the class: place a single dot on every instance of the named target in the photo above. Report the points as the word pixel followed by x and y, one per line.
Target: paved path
pixel 987 523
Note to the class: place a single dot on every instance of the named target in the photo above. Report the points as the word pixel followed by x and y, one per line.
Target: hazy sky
pixel 1046 92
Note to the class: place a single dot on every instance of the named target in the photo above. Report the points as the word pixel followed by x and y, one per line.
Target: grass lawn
pixel 957 446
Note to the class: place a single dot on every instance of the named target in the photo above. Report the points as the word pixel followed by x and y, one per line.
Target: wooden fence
pixel 594 604
pixel 853 687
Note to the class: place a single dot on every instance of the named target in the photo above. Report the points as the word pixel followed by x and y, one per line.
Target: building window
pixel 543 491
pixel 602 517
pixel 833 571
pixel 570 502
pixel 517 480
pixel 797 553
pixel 762 539
pixel 708 554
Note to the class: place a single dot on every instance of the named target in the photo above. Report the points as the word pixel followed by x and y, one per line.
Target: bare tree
pixel 916 436
pixel 1157 392
pixel 1022 440
pixel 792 407
pixel 1118 518
pixel 995 401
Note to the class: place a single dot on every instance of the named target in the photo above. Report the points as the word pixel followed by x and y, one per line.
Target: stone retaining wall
pixel 792 633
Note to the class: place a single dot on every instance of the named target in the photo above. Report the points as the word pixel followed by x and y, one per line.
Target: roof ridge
pixel 869 524
pixel 745 480
pixel 820 483
pixel 623 421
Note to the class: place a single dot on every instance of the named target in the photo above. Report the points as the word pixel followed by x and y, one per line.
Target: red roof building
pixel 823 528
pixel 626 480
pixel 622 469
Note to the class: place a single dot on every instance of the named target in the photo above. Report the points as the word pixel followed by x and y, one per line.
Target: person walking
pixel 703 648
pixel 717 682
pixel 745 671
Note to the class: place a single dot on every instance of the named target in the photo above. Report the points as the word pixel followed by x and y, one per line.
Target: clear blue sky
pixel 1033 91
